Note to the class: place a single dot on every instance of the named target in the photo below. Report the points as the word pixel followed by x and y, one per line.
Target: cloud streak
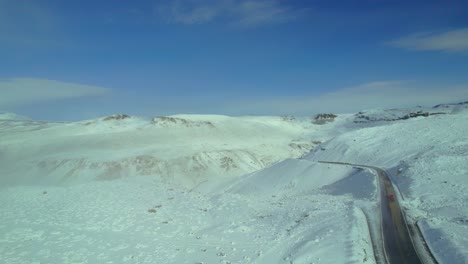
pixel 453 41
pixel 244 13
pixel 372 95
pixel 26 91
pixel 22 94
pixel 384 94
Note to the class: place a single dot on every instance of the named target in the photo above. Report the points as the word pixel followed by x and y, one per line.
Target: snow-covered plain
pixel 217 189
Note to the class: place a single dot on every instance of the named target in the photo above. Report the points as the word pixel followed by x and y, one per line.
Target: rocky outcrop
pixel 116 117
pixel 168 121
pixel 323 118
pixel 363 117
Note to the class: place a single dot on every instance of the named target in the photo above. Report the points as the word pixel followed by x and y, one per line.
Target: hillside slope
pixel 427 158
pixel 182 149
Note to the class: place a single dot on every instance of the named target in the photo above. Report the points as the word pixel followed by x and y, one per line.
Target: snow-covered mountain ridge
pixel 185 149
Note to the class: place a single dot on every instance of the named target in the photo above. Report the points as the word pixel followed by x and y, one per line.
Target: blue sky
pixel 72 60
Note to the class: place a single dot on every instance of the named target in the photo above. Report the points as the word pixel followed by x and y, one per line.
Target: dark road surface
pixel 397 244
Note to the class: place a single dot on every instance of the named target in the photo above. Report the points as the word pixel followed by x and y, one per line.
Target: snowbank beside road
pixel 427 158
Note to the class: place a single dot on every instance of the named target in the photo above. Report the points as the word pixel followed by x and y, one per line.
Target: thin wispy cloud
pixel 24 91
pixel 382 94
pixel 453 41
pixel 263 12
pixel 372 95
pixel 245 13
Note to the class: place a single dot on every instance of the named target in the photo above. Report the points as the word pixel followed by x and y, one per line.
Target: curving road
pixel 397 244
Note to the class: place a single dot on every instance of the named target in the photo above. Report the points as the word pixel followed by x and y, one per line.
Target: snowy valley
pixel 219 189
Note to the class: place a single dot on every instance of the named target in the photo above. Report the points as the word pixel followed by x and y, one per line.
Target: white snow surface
pixel 182 149
pixel 427 159
pixel 217 189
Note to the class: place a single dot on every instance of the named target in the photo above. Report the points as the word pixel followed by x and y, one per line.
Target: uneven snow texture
pixel 428 160
pixel 216 189
pixel 141 220
pixel 56 208
pixel 182 149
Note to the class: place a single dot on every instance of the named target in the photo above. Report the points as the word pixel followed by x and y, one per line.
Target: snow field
pixel 140 220
pixel 428 161
pixel 216 189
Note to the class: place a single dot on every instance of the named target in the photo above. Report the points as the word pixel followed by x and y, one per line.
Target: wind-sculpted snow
pixel 144 220
pixel 186 170
pixel 157 192
pixel 182 149
pixel 428 160
pixel 291 175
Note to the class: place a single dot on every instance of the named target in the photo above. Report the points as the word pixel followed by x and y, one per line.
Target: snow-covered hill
pixel 425 154
pixel 427 158
pixel 217 189
pixel 182 149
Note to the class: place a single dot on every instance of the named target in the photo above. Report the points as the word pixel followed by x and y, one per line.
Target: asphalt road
pixel 397 244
